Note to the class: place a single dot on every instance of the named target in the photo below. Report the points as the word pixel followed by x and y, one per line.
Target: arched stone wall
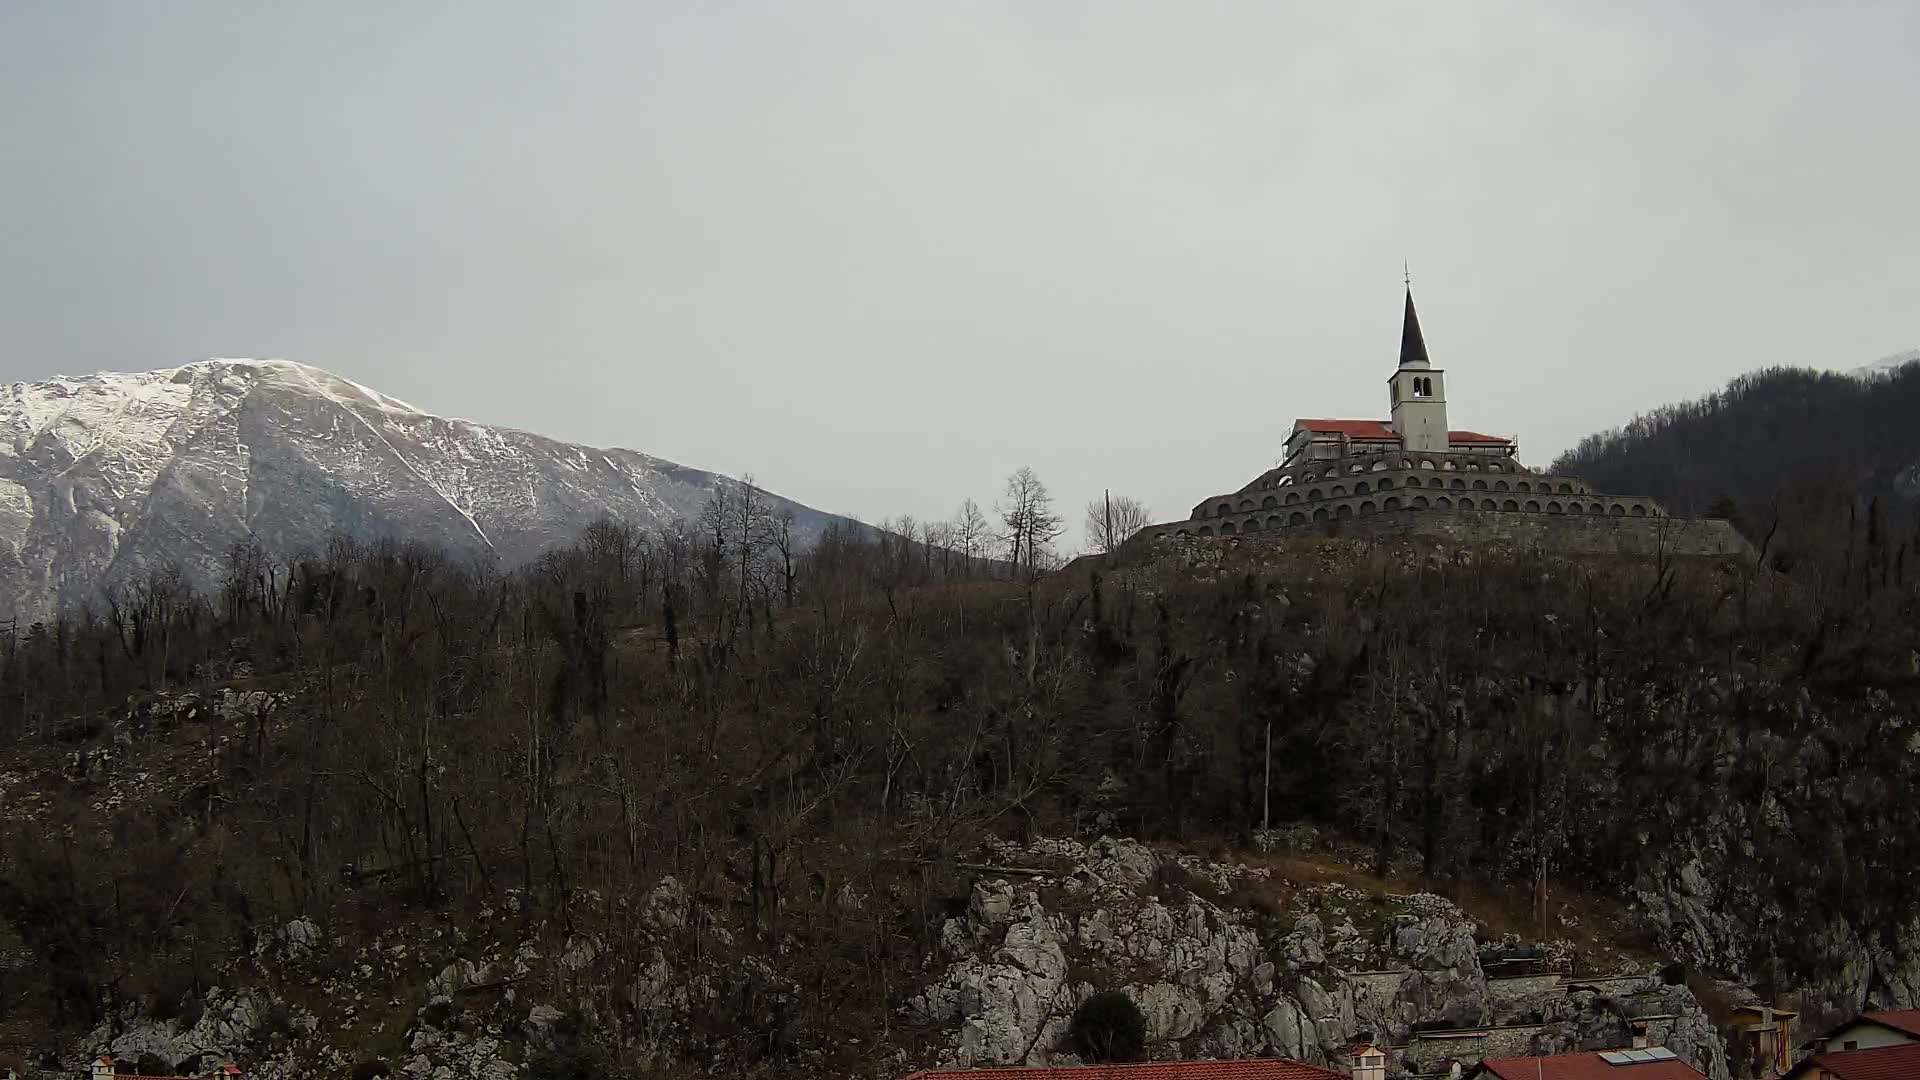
pixel 1359 506
pixel 1395 461
pixel 1248 511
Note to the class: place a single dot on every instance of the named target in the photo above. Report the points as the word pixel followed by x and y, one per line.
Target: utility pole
pixel 1266 785
pixel 1106 541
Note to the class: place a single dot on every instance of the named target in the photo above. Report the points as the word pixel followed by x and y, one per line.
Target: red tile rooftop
pixel 1252 1069
pixel 1383 430
pixel 1900 1062
pixel 1907 1020
pixel 1587 1066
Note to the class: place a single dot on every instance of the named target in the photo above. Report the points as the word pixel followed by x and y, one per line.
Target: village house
pixel 1898 1062
pixel 105 1068
pixel 1651 1063
pixel 1868 1031
pixel 1363 1067
pixel 1883 1045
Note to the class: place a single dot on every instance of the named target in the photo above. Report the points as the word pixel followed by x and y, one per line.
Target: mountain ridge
pixel 1887 365
pixel 107 476
pixel 1769 437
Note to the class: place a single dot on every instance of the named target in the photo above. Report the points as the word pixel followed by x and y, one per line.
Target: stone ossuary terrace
pixel 1368 481
pixel 1423 476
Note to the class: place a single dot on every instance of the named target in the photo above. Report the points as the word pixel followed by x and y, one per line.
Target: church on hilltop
pixel 1413 473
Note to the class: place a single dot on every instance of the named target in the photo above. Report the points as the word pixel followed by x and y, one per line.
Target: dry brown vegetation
pixel 813 742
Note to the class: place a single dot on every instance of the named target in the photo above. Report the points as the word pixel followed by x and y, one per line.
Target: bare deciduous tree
pixel 970 534
pixel 1029 522
pixel 1111 520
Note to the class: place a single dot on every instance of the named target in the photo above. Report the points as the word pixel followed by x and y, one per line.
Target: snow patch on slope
pixel 1887 365
pixel 325 383
pixel 104 475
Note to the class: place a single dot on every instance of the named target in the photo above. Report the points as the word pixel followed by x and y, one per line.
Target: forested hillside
pixel 803 754
pixel 1785 441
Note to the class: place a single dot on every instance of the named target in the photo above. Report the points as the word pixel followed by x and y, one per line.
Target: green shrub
pixel 1172 880
pixel 567 1063
pixel 277 1023
pixel 1109 1027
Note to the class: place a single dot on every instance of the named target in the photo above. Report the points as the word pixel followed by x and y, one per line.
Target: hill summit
pixel 106 477
pixel 1770 439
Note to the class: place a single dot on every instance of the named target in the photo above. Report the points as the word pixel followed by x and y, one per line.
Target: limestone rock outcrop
pixel 1216 980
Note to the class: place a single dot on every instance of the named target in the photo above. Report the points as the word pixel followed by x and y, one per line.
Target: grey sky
pixel 881 254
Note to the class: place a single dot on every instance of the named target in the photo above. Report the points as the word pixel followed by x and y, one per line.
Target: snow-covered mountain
pixel 104 476
pixel 1887 365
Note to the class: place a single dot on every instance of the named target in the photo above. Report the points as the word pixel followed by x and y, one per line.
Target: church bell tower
pixel 1419 391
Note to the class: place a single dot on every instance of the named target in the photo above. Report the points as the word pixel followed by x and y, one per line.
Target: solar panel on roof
pixel 1638 1057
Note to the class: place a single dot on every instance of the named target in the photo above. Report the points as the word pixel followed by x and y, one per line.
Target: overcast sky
pixel 880 254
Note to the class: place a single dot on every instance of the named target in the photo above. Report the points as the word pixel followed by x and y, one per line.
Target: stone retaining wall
pixel 1430 1051
pixel 1513 987
pixel 1581 535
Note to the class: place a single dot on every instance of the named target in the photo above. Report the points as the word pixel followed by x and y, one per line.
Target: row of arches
pixel 1226 508
pixel 1273 522
pixel 1381 463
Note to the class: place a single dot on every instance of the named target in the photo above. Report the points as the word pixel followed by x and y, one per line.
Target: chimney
pixel 1639 1036
pixel 1369 1062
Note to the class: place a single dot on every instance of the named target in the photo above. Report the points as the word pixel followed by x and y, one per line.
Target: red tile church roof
pixel 1255 1069
pixel 1381 429
pixel 1352 429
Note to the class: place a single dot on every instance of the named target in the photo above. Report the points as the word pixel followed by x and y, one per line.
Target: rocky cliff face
pixel 106 476
pixel 1216 980
pixel 1301 973
pixel 1713 905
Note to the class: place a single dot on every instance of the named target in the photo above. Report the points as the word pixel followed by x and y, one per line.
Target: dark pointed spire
pixel 1413 347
